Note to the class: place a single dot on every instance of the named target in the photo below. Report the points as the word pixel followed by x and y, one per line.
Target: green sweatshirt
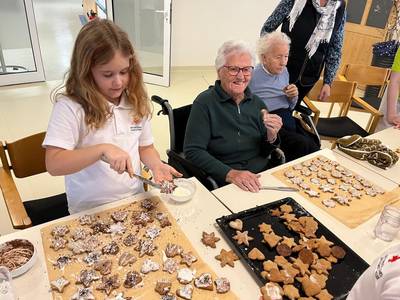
pixel 221 135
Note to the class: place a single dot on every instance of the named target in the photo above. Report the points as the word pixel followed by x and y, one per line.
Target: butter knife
pixel 280 188
pixel 141 178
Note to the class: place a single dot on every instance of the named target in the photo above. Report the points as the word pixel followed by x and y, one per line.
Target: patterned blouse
pixel 334 53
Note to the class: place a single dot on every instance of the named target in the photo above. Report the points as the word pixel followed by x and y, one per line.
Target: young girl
pixel 103 114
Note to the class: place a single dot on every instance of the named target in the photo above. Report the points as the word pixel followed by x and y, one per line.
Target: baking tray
pixel 343 274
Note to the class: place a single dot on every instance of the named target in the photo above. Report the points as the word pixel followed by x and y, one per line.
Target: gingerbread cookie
pixel 242 238
pixel 256 254
pixel 204 281
pixel 222 285
pixel 185 292
pixel 209 239
pixel 59 284
pixel 163 286
pixel 227 258
pixel 236 224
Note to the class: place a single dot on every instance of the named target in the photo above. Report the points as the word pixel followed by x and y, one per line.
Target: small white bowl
pixel 184 191
pixel 19 243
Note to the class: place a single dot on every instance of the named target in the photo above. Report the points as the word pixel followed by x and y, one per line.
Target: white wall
pixel 199 27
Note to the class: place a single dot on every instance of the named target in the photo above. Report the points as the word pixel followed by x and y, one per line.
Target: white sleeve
pixel 63 129
pixel 146 137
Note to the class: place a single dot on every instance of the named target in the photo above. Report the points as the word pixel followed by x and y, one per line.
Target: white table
pixel 194 217
pixel 390 137
pixel 360 239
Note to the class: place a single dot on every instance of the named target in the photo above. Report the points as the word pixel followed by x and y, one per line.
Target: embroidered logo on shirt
pixel 379 267
pixel 134 128
pixel 394 258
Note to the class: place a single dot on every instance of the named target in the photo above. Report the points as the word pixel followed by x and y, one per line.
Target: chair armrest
pixel 366 106
pixel 16 210
pixel 303 110
pixel 313 108
pixel 191 170
pixel 341 78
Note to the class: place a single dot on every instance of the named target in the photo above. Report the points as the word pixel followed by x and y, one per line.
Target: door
pixel 20 59
pixel 366 25
pixel 148 24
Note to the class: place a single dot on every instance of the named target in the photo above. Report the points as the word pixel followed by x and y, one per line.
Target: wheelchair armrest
pixel 189 169
pixel 16 210
pixel 303 110
pixel 158 100
pixel 166 108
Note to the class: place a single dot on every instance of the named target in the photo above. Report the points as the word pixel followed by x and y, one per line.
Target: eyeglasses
pixel 233 70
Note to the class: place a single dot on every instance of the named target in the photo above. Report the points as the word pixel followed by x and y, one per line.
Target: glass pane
pixel 379 13
pixel 355 10
pixel 16 55
pixel 144 22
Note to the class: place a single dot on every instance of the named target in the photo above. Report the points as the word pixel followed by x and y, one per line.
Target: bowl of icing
pixel 184 190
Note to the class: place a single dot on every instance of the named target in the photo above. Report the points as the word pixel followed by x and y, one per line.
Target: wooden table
pixel 360 239
pixel 390 137
pixel 194 217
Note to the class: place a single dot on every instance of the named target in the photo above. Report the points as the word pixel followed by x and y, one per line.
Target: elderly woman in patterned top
pixel 316 29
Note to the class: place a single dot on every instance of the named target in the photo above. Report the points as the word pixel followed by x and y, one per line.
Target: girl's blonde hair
pixel 96 44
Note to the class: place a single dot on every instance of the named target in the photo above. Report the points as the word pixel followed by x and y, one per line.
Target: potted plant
pixel 384 52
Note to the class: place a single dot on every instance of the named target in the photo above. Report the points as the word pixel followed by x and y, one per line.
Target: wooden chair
pixel 26 157
pixel 373 80
pixel 332 128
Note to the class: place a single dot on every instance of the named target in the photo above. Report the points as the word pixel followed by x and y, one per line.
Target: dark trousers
pixel 297 143
pixel 303 91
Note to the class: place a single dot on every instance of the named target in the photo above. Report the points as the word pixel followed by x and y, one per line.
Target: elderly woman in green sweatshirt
pixel 229 133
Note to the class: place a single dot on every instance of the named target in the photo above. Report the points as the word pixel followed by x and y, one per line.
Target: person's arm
pixel 333 57
pixel 61 161
pixel 197 137
pixel 278 15
pixel 392 115
pixel 151 158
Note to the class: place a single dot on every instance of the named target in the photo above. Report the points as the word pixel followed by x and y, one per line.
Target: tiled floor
pixel 25 109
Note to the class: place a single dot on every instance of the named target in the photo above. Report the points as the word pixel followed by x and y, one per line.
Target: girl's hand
pixel 164 172
pixel 118 159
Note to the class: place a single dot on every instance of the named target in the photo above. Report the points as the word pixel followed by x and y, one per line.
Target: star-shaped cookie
pixel 243 237
pixel 227 258
pixel 209 239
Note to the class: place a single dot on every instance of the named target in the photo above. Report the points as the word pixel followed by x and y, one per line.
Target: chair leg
pixel 330 110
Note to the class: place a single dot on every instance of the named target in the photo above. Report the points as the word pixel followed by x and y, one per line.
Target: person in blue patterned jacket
pixel 316 29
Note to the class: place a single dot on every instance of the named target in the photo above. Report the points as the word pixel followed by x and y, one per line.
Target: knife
pixel 280 188
pixel 141 178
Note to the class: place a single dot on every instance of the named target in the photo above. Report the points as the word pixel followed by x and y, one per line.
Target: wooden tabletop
pixel 194 217
pixel 389 137
pixel 357 239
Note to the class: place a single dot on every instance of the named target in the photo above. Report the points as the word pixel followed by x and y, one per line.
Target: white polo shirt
pixel 97 184
pixel 381 281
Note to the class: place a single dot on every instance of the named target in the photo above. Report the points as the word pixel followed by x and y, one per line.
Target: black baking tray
pixel 343 274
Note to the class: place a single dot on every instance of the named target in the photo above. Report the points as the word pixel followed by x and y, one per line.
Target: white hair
pixel 230 47
pixel 266 41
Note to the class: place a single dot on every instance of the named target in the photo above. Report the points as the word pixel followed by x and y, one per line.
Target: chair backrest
pixel 181 116
pixel 374 78
pixel 368 76
pixel 341 91
pixel 26 157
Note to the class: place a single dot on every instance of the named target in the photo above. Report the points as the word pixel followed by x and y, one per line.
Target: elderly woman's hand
pixel 394 120
pixel 291 91
pixel 273 123
pixel 246 180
